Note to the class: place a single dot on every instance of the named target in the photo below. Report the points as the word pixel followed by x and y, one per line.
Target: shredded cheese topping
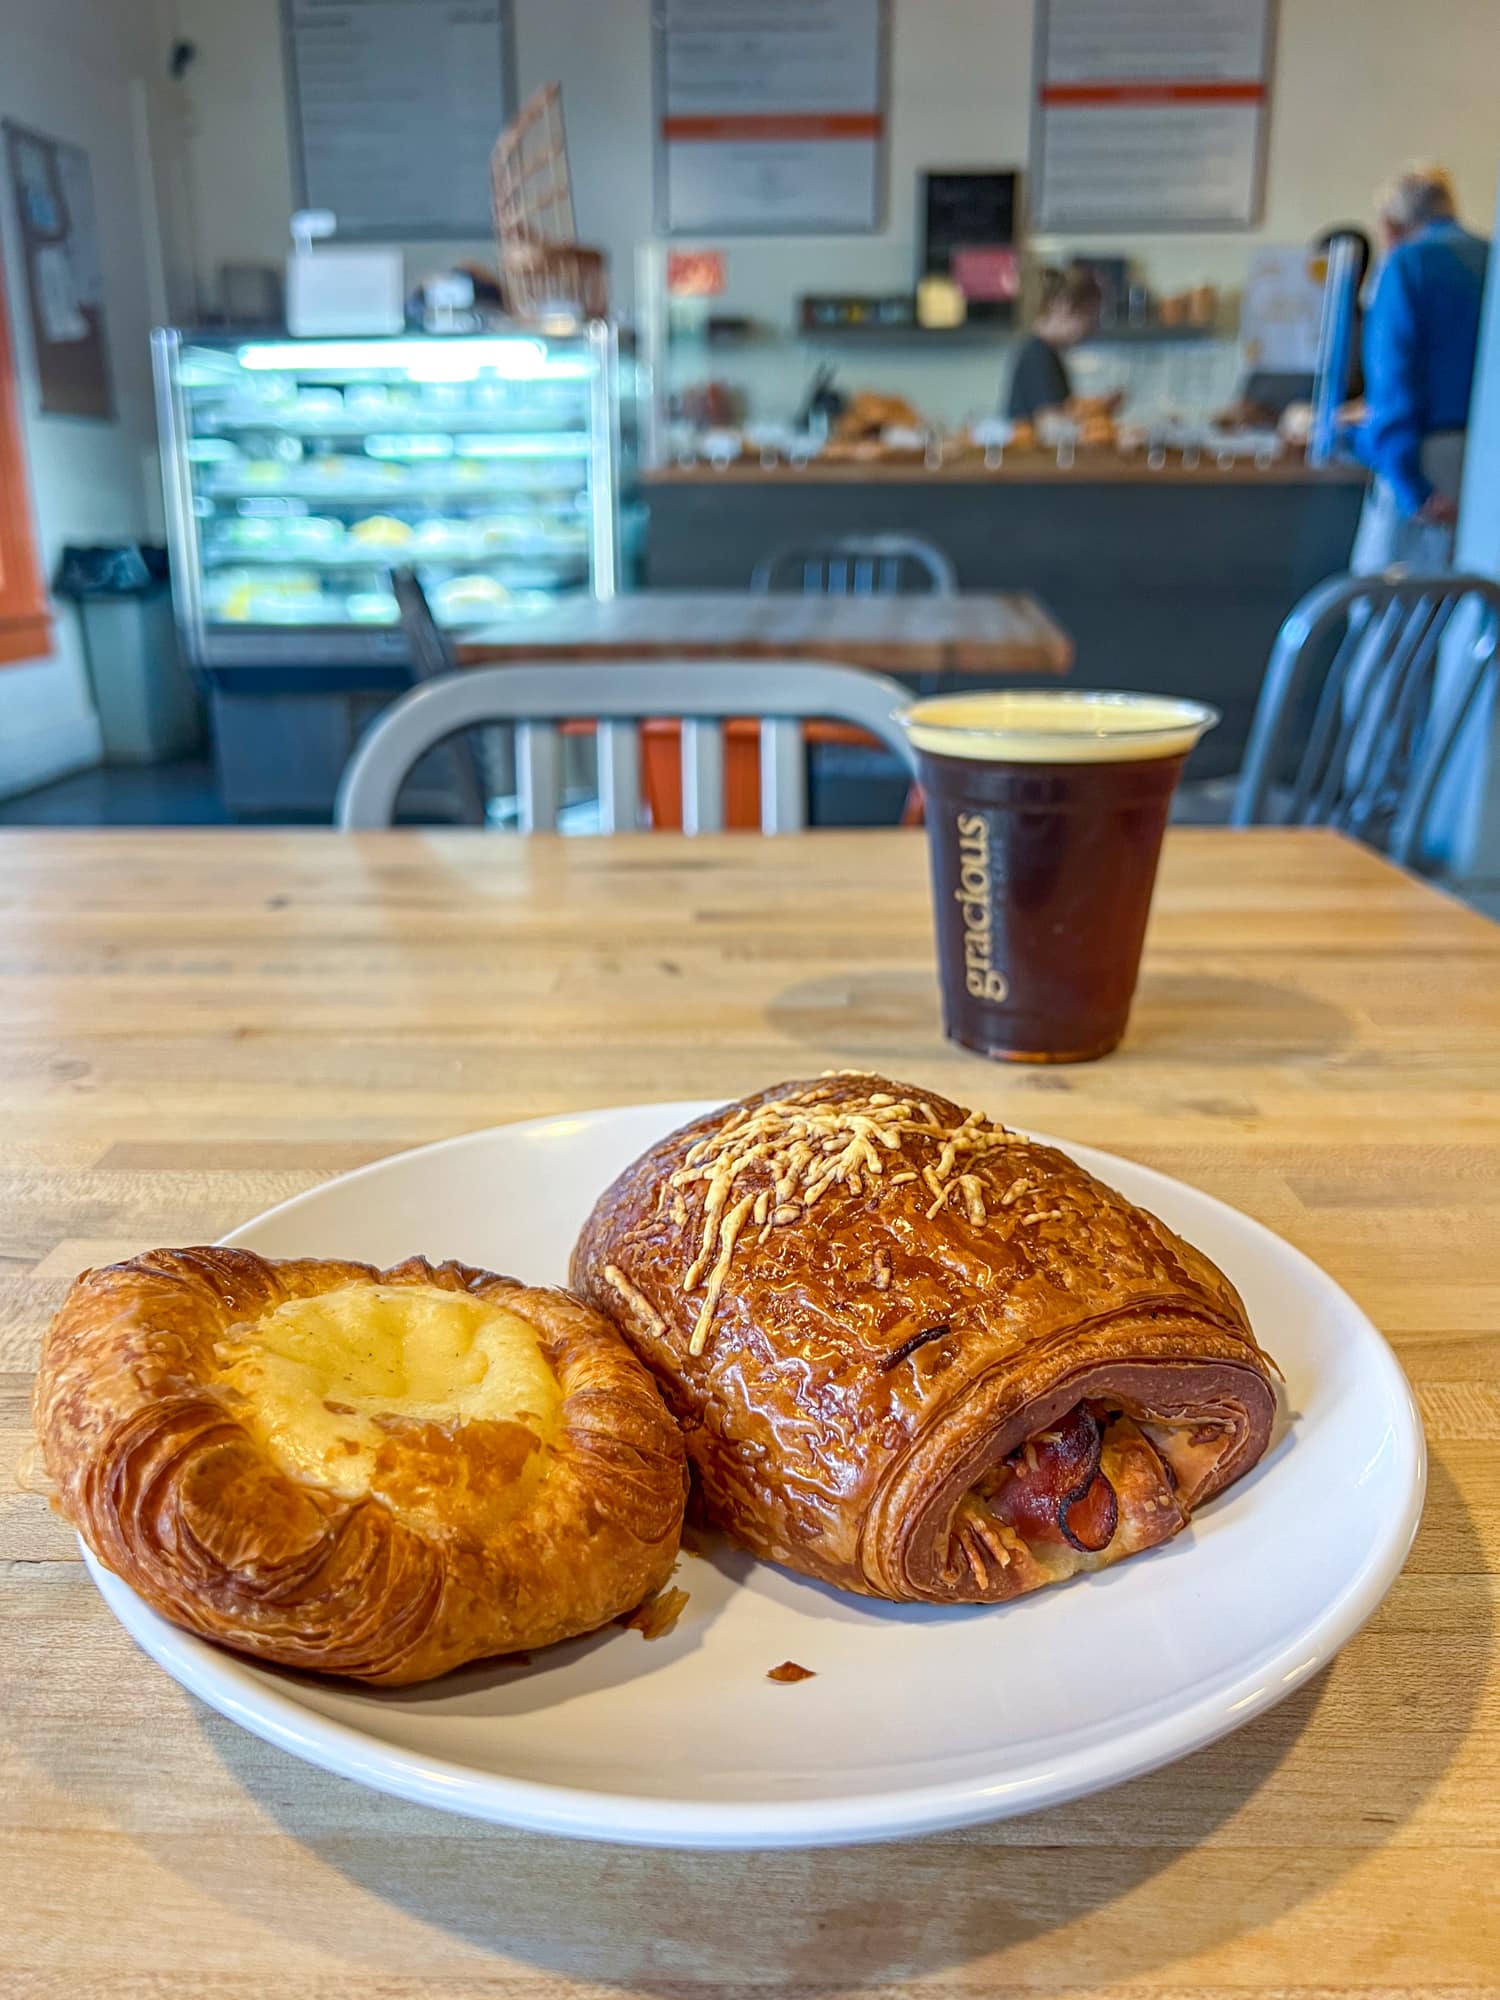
pixel 805 1145
pixel 635 1299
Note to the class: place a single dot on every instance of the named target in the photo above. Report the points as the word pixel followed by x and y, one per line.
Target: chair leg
pixel 702 777
pixel 619 777
pixel 539 776
pixel 783 777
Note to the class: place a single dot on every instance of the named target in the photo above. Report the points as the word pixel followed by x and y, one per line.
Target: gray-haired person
pixel 1420 337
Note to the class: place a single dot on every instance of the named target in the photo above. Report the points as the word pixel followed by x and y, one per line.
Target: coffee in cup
pixel 1045 812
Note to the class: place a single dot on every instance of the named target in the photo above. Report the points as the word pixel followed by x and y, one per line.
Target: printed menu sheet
pixel 1150 113
pixel 770 115
pixel 395 105
pixel 59 243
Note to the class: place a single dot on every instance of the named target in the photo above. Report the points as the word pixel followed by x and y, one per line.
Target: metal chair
pixel 617 696
pixel 431 657
pixel 858 566
pixel 1385 720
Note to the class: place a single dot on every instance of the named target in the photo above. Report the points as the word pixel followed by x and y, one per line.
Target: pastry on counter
pixel 1094 420
pixel 920 1356
pixel 381 531
pixel 436 536
pixel 469 596
pixel 867 414
pixel 378 1474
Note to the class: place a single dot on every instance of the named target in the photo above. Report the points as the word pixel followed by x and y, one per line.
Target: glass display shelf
pixel 300 472
pixel 522 434
pixel 341 490
pixel 528 547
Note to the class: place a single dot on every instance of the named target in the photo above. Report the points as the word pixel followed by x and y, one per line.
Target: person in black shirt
pixel 1069 313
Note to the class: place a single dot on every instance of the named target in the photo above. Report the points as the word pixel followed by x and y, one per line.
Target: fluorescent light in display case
pixel 434 360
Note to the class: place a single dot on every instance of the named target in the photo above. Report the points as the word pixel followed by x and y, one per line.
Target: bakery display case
pixel 834 381
pixel 300 472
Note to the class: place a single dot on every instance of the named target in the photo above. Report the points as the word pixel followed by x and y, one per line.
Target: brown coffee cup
pixel 1045 812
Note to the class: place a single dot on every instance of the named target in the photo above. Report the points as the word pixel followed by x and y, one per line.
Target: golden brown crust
pixel 908 1294
pixel 177 1497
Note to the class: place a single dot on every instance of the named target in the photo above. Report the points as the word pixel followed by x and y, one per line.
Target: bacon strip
pixel 1052 1490
pixel 1090 1522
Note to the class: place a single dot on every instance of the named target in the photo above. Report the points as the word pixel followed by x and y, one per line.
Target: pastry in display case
pixel 300 472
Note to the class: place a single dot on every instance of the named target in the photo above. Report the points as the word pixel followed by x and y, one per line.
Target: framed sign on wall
pixel 54 203
pixel 394 106
pixel 1150 114
pixel 968 217
pixel 770 116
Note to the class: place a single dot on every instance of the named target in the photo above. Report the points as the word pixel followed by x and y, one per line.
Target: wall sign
pixel 1150 114
pixel 394 107
pixel 1281 310
pixel 54 197
pixel 696 274
pixel 770 115
pixel 969 233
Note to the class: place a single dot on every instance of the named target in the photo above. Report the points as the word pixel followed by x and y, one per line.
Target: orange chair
pixel 661 768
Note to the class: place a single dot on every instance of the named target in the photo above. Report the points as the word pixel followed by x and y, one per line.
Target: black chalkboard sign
pixel 962 208
pixel 968 233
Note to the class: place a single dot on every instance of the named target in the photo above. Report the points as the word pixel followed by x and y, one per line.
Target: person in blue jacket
pixel 1420 337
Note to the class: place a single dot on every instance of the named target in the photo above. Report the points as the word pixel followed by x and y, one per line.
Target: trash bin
pixel 148 710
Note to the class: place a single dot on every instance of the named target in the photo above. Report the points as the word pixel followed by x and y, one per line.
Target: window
pixel 24 623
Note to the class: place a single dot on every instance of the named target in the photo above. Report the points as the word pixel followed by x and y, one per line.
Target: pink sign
pixel 695 274
pixel 986 271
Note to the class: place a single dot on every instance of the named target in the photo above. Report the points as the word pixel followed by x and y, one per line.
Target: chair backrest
pixel 426 642
pixel 1383 725
pixel 858 566
pixel 431 656
pixel 618 696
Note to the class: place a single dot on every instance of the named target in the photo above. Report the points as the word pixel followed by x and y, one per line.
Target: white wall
pixel 66 68
pixel 1360 86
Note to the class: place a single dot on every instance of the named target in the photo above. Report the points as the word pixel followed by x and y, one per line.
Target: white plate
pixel 919 1716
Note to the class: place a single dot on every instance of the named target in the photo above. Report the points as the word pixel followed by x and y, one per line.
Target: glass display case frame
pixel 336 491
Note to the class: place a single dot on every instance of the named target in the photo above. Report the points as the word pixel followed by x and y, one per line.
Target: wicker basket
pixel 543 267
pixel 538 279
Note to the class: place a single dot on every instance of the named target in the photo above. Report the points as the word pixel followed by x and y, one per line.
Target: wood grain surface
pixel 194 1026
pixel 1004 632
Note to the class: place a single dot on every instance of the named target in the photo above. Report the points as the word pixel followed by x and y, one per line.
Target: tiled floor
pixel 186 794
pixel 180 794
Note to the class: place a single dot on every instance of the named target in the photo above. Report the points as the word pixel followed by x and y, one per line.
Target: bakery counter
pixel 1172 578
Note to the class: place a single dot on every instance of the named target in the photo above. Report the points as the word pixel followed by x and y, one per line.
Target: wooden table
pixel 973 632
pixel 195 1026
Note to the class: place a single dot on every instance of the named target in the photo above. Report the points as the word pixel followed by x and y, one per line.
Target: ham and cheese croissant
pixel 917 1355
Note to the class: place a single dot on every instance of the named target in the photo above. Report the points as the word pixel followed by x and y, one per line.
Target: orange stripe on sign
pixel 777 125
pixel 1153 93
